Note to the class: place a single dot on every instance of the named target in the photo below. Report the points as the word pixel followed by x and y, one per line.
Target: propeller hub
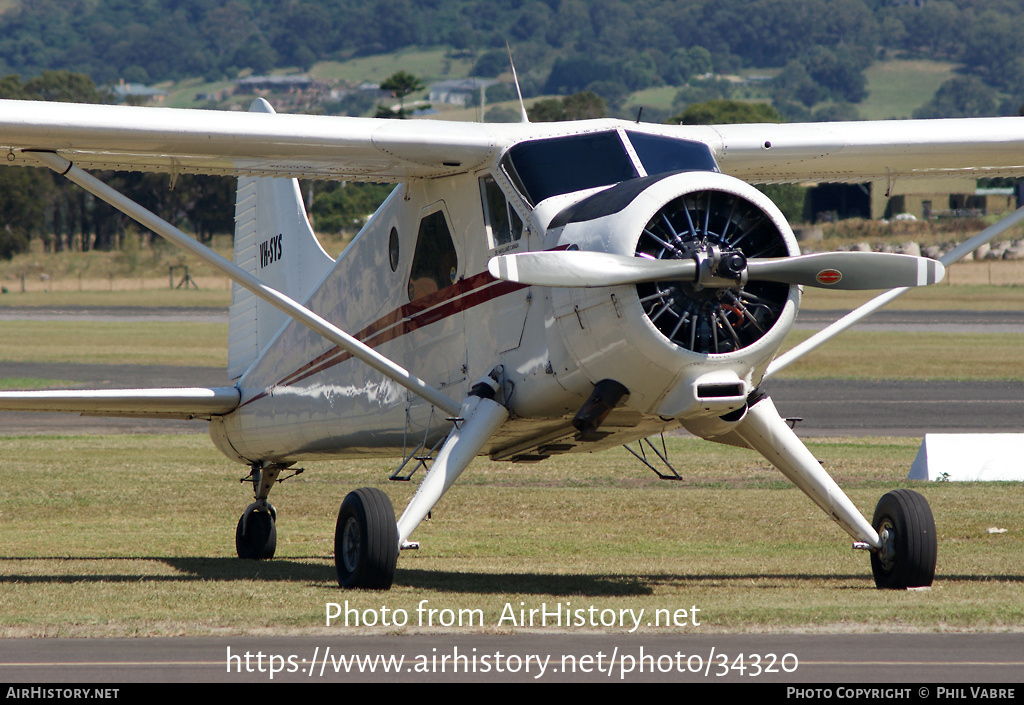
pixel 718 268
pixel 732 265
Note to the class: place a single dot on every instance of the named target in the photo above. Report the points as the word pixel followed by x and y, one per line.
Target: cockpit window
pixel 544 168
pixel 549 167
pixel 503 224
pixel 663 154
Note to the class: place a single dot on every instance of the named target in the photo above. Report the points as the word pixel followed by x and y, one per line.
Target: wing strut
pixel 829 332
pixel 291 307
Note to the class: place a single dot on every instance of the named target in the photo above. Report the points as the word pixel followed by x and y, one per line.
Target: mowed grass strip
pixel 150 298
pixel 126 535
pixel 853 355
pixel 185 343
pixel 902 355
pixel 34 383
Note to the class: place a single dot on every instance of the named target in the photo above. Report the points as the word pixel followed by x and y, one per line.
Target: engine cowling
pixel 680 347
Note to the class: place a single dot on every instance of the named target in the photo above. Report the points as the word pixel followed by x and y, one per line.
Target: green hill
pixel 898 87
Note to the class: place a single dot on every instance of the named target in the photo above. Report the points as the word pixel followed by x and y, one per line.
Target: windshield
pixel 544 168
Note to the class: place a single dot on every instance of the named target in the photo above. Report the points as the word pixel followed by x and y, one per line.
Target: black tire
pixel 366 541
pixel 905 524
pixel 256 534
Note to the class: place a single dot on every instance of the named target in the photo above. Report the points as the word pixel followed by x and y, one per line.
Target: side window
pixel 434 263
pixel 503 223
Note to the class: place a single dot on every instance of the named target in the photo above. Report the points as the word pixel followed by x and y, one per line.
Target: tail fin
pixel 274 242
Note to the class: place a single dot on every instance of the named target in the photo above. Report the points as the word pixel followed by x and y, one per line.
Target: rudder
pixel 275 243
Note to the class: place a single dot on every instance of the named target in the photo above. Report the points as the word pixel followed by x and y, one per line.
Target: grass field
pixel 133 535
pixel 429 64
pixel 919 356
pixel 91 547
pixel 898 87
pixel 183 343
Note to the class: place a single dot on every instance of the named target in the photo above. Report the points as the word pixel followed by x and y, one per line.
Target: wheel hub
pixel 351 539
pixel 887 548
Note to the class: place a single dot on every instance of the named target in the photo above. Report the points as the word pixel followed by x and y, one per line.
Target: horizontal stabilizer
pixel 183 403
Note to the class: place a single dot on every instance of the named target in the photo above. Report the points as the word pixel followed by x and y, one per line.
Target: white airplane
pixel 526 290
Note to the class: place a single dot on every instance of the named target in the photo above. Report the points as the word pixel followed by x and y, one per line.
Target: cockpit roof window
pixel 549 167
pixel 661 154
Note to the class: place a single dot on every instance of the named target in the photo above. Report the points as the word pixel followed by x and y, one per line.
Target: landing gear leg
pixel 256 533
pixel 769 434
pixel 901 537
pixel 367 538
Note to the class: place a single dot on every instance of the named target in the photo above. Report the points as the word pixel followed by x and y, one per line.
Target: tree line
pixel 608 47
pixel 592 53
pixel 37 204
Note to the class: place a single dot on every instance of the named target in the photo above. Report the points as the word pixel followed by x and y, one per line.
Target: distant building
pixel 274 84
pixel 372 89
pixel 458 91
pixel 123 91
pixel 939 198
pixel 922 198
pixel 214 97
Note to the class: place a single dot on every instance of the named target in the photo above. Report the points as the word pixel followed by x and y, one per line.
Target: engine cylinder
pixel 724 228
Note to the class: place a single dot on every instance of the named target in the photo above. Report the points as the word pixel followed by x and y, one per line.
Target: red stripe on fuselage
pixel 424 311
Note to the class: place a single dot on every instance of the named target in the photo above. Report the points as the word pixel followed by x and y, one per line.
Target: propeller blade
pixel 848 270
pixel 829 270
pixel 580 268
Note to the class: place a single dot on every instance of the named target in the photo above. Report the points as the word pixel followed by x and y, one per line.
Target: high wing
pixel 183 403
pixel 866 151
pixel 216 142
pixel 709 386
pixel 327 147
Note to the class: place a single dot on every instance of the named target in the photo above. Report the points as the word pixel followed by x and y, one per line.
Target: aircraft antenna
pixel 515 79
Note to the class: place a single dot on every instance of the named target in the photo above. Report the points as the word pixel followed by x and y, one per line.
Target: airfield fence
pixel 32 283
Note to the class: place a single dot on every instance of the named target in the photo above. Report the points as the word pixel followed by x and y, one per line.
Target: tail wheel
pixel 909 548
pixel 366 541
pixel 256 533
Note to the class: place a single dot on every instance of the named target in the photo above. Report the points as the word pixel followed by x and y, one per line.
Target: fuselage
pixel 414 286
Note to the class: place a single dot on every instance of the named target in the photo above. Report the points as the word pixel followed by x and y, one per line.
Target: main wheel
pixel 256 533
pixel 906 528
pixel 366 541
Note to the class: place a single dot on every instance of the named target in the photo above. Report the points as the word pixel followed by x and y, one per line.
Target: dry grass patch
pixel 885 355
